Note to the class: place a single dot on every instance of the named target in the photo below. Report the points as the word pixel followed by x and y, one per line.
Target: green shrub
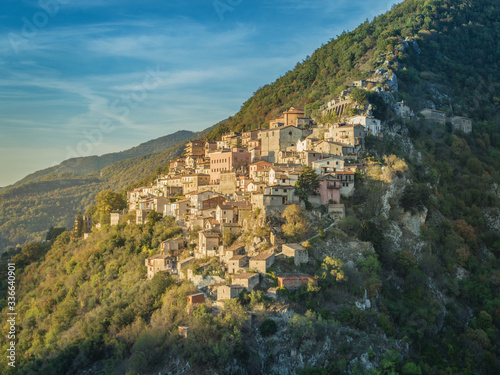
pixel 268 327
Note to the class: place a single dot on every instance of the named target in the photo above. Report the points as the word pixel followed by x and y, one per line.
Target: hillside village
pixel 323 229
pixel 217 189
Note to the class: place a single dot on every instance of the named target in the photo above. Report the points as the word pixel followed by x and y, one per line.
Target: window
pixel 290 133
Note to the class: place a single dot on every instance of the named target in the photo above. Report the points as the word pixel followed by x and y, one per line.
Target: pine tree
pixel 78 229
pixel 308 183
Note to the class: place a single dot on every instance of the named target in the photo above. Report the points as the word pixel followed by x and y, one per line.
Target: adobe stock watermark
pixel 224 6
pixel 121 107
pixel 31 27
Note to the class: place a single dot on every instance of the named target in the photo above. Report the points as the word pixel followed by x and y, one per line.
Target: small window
pixel 290 133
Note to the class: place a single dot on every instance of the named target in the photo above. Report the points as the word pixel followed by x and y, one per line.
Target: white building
pixel 370 123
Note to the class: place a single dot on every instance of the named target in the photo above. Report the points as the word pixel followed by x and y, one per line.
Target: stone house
pixel 197 197
pixel 228 182
pixel 172 246
pixel 115 217
pixel 175 181
pixel 269 204
pixel 256 187
pixel 278 139
pixel 181 264
pixel 179 208
pixel 351 134
pixel 208 243
pixel 306 144
pixel 334 148
pixel 192 182
pixel 171 191
pixel 255 154
pixel 434 115
pixel 248 136
pixel 295 281
pixel 248 280
pixel 178 164
pixel 262 261
pixel 289 117
pixel 210 223
pixel 403 110
pixel 195 148
pixel 307 157
pixel 158 204
pixel 231 251
pixel 237 263
pixel 258 166
pixel 327 165
pixel 285 191
pixel 370 123
pixel 336 211
pixel 210 146
pixel 297 251
pixel 159 262
pixel 141 216
pixel 346 182
pixel 284 175
pixel 224 213
pixel 229 291
pixel 462 123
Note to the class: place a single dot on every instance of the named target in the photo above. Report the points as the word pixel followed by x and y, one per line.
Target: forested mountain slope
pixel 409 281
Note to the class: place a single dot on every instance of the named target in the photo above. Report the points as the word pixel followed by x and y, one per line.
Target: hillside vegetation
pixel 409 281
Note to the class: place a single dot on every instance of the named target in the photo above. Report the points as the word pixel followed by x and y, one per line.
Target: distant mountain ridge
pixel 54 196
pixel 88 164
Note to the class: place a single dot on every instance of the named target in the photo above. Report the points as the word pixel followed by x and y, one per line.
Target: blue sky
pixel 88 77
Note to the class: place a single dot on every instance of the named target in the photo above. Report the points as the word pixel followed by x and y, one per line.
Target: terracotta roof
pixel 295 276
